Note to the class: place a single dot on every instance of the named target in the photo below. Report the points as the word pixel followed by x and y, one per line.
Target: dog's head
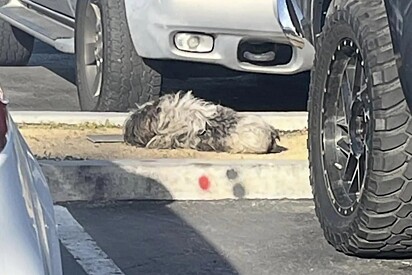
pixel 141 126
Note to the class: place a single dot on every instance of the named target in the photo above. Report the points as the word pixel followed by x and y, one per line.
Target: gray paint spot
pixel 232 174
pixel 239 190
pixel 100 188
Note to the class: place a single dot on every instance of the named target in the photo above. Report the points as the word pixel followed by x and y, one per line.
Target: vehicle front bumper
pixel 153 24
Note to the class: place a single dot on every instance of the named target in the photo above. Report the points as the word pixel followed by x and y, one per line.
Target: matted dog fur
pixel 180 120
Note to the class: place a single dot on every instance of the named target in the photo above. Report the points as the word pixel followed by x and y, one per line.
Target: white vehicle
pixel 28 238
pixel 125 48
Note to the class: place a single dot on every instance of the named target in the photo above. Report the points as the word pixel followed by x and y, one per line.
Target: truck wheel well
pixel 319 14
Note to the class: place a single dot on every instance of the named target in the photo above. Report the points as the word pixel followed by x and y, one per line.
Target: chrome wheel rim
pixel 346 128
pixel 93 49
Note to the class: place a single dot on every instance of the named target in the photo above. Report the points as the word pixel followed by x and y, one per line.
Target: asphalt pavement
pixel 47 84
pixel 70 266
pixel 224 237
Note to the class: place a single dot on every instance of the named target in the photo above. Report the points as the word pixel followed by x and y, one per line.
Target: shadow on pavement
pixel 251 92
pixel 61 64
pixel 247 92
pixel 70 266
pixel 155 241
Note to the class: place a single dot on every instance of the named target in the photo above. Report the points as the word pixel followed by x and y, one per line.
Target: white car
pixel 28 235
pixel 125 48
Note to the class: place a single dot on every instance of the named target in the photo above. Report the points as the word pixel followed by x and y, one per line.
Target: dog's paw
pixel 278 149
pixel 275 133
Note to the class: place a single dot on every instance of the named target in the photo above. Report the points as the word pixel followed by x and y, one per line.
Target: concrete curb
pixel 38 117
pixel 286 121
pixel 176 180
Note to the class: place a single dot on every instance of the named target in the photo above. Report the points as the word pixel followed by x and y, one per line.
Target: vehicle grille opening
pixel 263 53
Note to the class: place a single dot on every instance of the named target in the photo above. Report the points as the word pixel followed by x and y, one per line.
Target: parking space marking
pixel 82 246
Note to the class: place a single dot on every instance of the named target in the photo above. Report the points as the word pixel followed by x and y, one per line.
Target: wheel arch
pixel 319 11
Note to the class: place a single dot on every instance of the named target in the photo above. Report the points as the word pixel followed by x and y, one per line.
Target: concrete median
pixel 170 179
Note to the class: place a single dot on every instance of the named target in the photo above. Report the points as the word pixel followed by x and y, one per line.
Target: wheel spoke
pixel 89 57
pixel 343 146
pixel 355 183
pixel 97 83
pixel 343 125
pixel 350 168
pixel 361 93
pixel 362 163
pixel 346 97
pixel 358 79
pixel 94 79
pixel 349 77
pixel 359 179
pixel 350 72
pixel 366 116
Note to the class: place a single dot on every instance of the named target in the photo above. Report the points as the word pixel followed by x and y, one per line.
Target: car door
pixel 66 7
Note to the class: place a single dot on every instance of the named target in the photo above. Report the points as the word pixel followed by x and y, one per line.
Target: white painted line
pixel 81 245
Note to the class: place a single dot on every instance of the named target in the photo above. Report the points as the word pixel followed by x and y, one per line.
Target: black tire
pixel 380 225
pixel 16 46
pixel 126 78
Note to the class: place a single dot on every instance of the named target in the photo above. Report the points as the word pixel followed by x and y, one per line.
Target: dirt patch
pixel 60 141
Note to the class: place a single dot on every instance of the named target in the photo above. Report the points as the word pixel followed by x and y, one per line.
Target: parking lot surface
pixel 226 237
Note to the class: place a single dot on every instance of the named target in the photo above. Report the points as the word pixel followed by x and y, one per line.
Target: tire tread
pixel 15 45
pixel 127 80
pixel 384 222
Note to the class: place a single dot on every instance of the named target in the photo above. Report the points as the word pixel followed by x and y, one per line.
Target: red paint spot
pixel 204 183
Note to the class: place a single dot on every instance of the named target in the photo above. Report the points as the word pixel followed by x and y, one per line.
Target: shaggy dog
pixel 181 120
